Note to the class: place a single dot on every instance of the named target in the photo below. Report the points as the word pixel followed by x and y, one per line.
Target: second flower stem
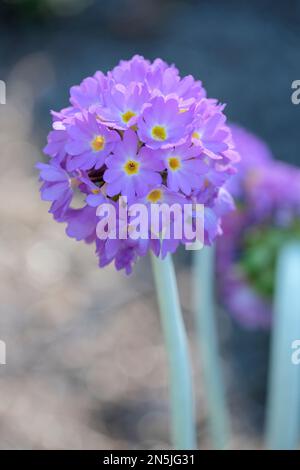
pixel 208 342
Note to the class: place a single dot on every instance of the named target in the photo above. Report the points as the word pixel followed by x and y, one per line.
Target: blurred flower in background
pixel 268 215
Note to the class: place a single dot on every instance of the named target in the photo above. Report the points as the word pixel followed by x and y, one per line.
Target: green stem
pixel 204 293
pixel 181 387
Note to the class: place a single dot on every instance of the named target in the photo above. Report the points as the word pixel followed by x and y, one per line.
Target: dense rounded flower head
pixel 268 215
pixel 139 134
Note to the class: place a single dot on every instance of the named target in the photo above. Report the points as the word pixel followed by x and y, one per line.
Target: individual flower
pixel 143 134
pixel 131 171
pixel 123 105
pixel 56 144
pixel 184 168
pixel 81 223
pixel 130 71
pixel 57 138
pixel 89 94
pixel 209 134
pixel 162 123
pixel 222 205
pixel 57 188
pixel 89 143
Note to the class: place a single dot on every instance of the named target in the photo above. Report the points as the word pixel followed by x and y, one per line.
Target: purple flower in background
pixel 268 215
pixel 143 132
pixel 256 155
pixel 89 143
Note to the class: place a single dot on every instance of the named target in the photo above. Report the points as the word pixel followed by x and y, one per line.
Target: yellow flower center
pixel 196 135
pixel 155 195
pixel 206 184
pixel 131 167
pixel 128 115
pixel 98 143
pixel 174 163
pixel 159 133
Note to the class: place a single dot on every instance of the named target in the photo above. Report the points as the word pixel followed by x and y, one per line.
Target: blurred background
pixel 86 366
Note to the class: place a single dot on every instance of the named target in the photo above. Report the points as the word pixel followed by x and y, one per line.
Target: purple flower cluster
pixel 143 132
pixel 267 193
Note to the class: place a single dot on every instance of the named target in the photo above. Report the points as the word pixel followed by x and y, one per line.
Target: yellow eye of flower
pixel 131 167
pixel 174 163
pixel 206 184
pixel 98 143
pixel 196 135
pixel 159 133
pixel 128 115
pixel 155 195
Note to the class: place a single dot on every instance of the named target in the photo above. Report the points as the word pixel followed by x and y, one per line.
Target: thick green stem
pixel 181 387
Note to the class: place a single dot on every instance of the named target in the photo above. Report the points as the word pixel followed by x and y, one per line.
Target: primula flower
pixel 143 133
pixel 184 168
pixel 123 105
pixel 56 144
pixel 163 124
pixel 268 215
pixel 57 187
pixel 89 94
pixel 130 171
pixel 131 71
pixel 89 143
pixel 210 135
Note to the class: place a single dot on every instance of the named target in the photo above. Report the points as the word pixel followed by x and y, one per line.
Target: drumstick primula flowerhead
pixel 140 134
